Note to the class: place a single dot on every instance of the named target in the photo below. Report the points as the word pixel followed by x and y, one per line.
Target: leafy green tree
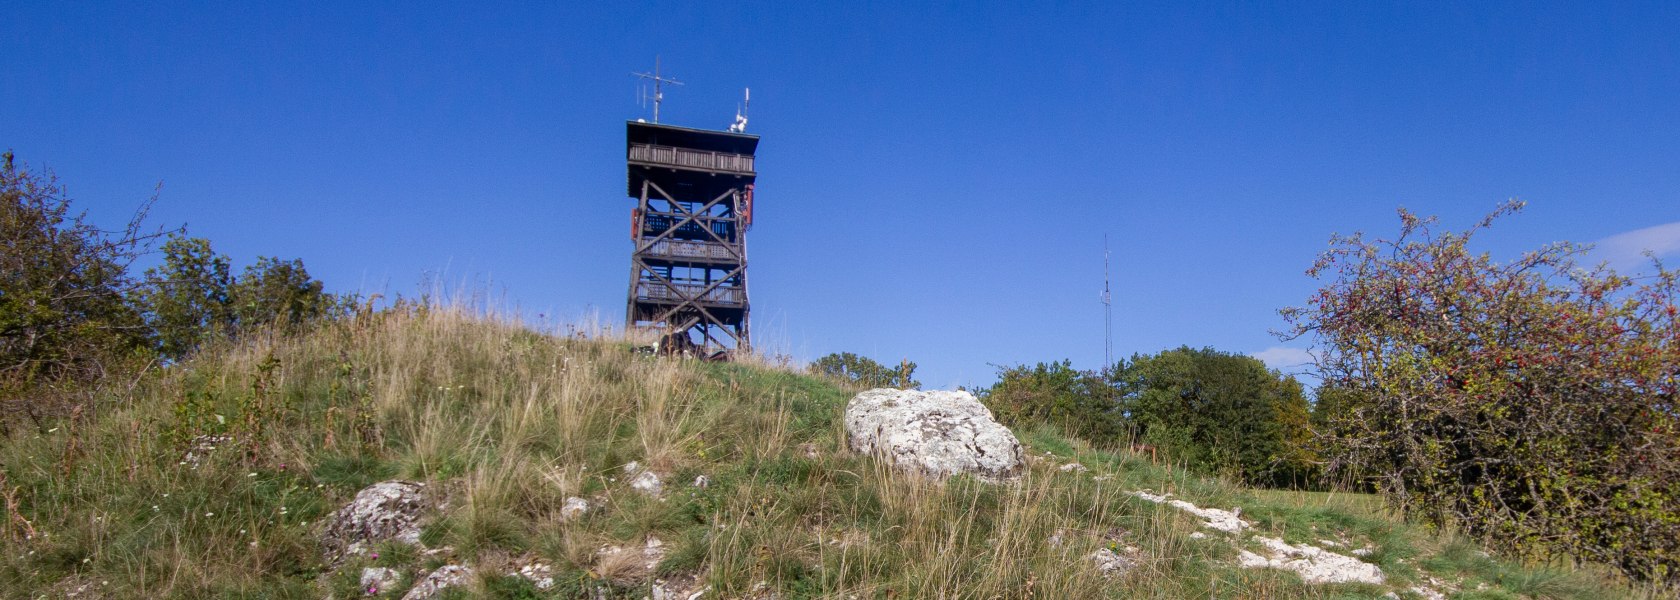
pixel 64 315
pixel 1219 412
pixel 188 298
pixel 1080 403
pixel 861 371
pixel 1531 403
pixel 277 292
pixel 193 298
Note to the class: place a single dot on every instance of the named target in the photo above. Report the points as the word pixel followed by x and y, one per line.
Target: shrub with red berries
pixel 1531 403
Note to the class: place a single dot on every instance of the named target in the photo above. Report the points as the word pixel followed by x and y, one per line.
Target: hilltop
pixel 217 476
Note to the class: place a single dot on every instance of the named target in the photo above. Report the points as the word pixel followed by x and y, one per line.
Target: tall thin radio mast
pixel 658 82
pixel 1108 313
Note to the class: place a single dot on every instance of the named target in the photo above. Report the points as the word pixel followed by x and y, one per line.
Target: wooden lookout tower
pixel 688 268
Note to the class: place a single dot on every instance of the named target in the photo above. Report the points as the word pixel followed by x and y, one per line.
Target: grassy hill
pixel 504 425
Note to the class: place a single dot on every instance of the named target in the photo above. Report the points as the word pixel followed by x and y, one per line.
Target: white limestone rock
pixel 1224 520
pixel 647 483
pixel 540 574
pixel 681 586
pixel 200 447
pixel 1313 564
pixel 936 433
pixel 575 507
pixel 375 580
pixel 388 510
pixel 432 586
pixel 1110 563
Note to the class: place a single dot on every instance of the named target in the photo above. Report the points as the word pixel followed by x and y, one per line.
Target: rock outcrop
pixel 375 580
pixel 934 433
pixel 388 510
pixel 432 586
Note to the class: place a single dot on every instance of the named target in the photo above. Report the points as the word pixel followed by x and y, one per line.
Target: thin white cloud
pixel 1627 250
pixel 1284 358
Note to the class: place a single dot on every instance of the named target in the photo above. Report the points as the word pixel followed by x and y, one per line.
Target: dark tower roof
pixel 659 134
pixel 694 157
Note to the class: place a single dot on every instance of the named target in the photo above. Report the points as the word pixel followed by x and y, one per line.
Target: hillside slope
pixel 215 478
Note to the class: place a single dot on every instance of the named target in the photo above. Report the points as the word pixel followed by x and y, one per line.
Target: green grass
pixel 505 424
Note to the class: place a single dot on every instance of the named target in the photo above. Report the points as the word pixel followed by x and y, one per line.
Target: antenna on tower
pixel 740 125
pixel 1108 313
pixel 658 83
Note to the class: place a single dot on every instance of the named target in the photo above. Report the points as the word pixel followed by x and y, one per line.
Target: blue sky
pixel 935 179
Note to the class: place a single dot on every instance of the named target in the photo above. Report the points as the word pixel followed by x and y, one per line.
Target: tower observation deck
pixel 688 267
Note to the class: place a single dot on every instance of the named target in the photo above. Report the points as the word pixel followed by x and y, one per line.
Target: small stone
pixel 1111 564
pixel 647 483
pixel 702 482
pixel 200 448
pixel 540 574
pixel 1072 468
pixel 378 579
pixel 575 507
pixel 433 584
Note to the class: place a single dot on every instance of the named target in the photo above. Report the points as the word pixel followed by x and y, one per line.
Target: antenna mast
pixel 1108 313
pixel 658 82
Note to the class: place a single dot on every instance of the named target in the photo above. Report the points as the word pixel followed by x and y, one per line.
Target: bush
pixel 861 371
pixel 1080 403
pixel 1220 413
pixel 65 316
pixel 1531 403
pixel 1215 411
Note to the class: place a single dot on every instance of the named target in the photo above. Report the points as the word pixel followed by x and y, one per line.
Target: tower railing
pixel 693 159
pixel 655 290
pixel 669 248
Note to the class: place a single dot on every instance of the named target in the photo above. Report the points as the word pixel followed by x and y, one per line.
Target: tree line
pixel 1216 412
pixel 74 311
